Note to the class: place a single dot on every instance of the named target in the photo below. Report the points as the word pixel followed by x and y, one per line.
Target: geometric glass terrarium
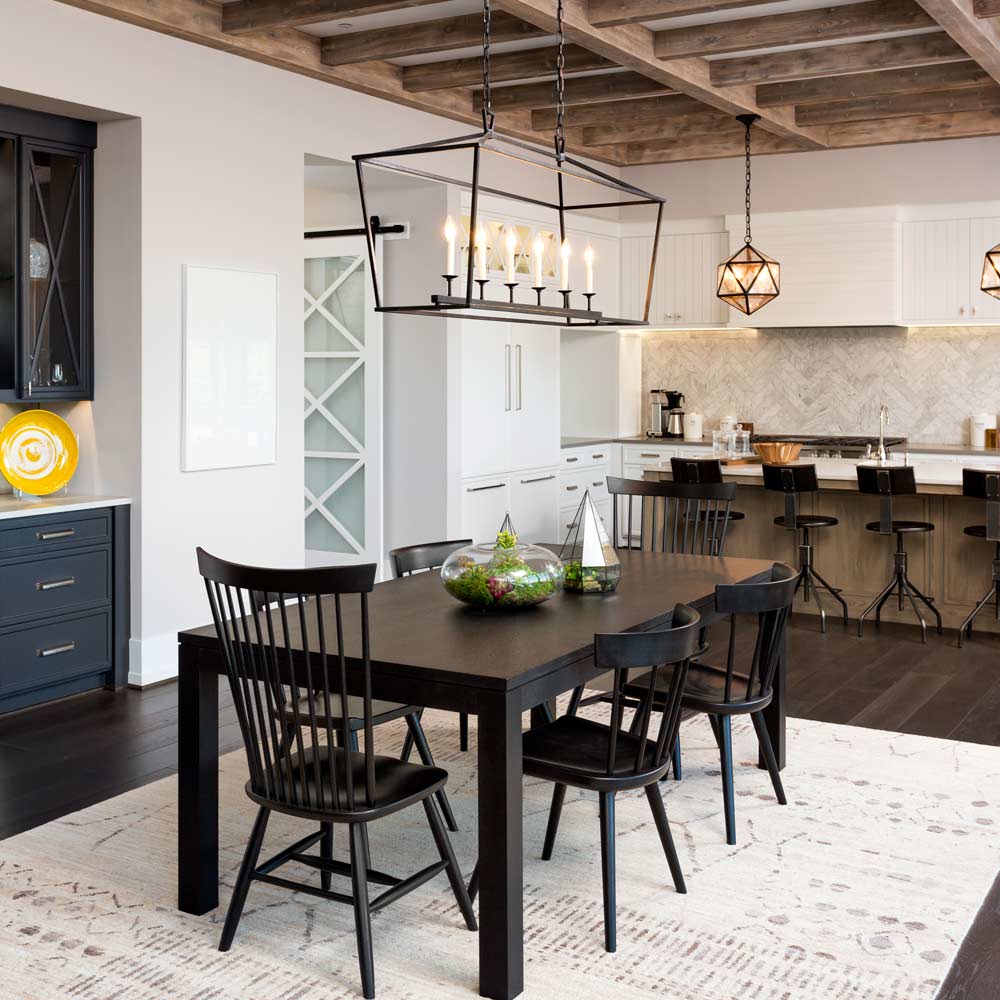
pixel 503 574
pixel 990 282
pixel 592 565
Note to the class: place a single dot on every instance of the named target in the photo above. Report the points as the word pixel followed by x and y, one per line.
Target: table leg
pixel 501 899
pixel 774 714
pixel 197 785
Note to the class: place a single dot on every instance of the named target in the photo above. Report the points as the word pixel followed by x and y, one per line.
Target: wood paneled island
pixel 947 565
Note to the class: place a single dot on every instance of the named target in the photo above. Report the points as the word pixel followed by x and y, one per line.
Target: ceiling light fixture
pixel 990 281
pixel 749 279
pixel 488 163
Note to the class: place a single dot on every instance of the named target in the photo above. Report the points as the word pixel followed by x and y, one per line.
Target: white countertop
pixel 11 507
pixel 926 473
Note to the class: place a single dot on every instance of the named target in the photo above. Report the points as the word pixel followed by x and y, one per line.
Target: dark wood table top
pixel 417 627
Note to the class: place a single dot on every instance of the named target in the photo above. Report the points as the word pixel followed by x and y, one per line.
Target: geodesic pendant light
pixel 749 279
pixel 990 282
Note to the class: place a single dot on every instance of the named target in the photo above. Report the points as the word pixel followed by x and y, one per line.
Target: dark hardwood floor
pixel 62 757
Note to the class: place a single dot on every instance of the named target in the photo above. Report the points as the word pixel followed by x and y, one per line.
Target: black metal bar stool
pixel 885 482
pixel 982 484
pixel 791 481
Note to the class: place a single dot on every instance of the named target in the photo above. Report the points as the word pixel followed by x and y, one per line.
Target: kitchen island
pixel 946 564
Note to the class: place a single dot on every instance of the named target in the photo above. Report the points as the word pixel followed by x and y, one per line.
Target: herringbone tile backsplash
pixel 831 381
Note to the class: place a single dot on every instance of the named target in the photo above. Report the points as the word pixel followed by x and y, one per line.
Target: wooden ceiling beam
pixel 917 128
pixel 631 46
pixel 606 13
pixel 834 60
pixel 856 86
pixel 825 24
pixel 619 112
pixel 580 90
pixel 421 38
pixel 263 15
pixel 704 147
pixel 980 38
pixel 986 8
pixel 899 105
pixel 504 66
pixel 660 129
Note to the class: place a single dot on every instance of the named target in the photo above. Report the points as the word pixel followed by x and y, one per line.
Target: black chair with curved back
pixel 887 482
pixel 683 518
pixel 720 692
pixel 324 780
pixel 792 481
pixel 984 484
pixel 607 758
pixel 418 559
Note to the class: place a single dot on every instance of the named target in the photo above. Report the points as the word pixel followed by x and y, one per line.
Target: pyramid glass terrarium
pixel 502 574
pixel 592 565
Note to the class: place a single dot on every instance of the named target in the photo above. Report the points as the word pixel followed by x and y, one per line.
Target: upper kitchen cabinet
pixel 941 268
pixel 684 280
pixel 46 256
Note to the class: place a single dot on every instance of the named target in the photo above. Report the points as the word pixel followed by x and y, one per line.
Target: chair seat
pixel 398 784
pixel 382 712
pixel 705 691
pixel 976 530
pixel 574 751
pixel 809 521
pixel 709 515
pixel 902 527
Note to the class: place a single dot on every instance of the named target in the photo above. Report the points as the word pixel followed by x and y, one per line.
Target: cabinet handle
pixel 540 479
pixel 572 460
pixel 973 310
pixel 961 310
pixel 507 377
pixel 569 489
pixel 520 380
pixel 600 482
pixel 479 489
pixel 597 456
pixel 48 536
pixel 646 454
pixel 66 647
pixel 55 584
pixel 572 525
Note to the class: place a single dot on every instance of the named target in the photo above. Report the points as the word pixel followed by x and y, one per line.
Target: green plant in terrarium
pixel 592 565
pixel 505 574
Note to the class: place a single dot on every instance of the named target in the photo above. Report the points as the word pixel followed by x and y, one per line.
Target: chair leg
pixel 447 853
pixel 929 602
pixel 364 826
pixel 463 731
pixel 726 757
pixel 608 868
pixel 426 757
pixel 834 592
pixel 362 913
pixel 666 839
pixel 474 883
pixel 677 758
pixel 713 721
pixel 555 811
pixel 819 602
pixel 878 602
pixel 966 626
pixel 920 618
pixel 326 852
pixel 242 887
pixel 769 759
pixel 404 754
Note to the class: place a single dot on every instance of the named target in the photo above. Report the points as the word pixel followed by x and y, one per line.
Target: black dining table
pixel 429 650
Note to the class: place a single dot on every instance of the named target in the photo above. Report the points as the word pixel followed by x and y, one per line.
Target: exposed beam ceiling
pixel 917 128
pixel 900 105
pixel 619 112
pixel 705 147
pixel 418 39
pixel 579 90
pixel 604 13
pixel 874 17
pixel 262 15
pixel 831 60
pixel 986 8
pixel 663 129
pixel 980 38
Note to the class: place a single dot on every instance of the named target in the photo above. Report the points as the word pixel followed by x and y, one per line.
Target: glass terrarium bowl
pixel 494 577
pixel 583 579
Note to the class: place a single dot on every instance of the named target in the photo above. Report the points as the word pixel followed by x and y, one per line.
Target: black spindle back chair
pixel 282 637
pixel 984 484
pixel 683 518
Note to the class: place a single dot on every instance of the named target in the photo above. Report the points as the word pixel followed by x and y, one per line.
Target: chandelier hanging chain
pixel 746 239
pixel 489 118
pixel 560 136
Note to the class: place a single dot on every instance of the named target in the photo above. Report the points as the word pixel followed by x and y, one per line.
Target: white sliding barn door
pixel 343 405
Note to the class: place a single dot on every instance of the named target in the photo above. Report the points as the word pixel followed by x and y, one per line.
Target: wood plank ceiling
pixel 649 81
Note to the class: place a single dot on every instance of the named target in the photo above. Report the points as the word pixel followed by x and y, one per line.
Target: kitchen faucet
pixel 883 419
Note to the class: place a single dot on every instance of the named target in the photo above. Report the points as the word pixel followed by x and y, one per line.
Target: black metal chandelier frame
pixel 488 140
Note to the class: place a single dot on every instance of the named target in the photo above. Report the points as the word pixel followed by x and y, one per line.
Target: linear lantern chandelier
pixel 466 288
pixel 749 279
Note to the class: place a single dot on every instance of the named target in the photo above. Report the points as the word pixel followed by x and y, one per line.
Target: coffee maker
pixel 657 414
pixel 675 414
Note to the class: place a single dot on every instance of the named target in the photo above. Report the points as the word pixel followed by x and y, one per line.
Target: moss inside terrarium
pixel 591 579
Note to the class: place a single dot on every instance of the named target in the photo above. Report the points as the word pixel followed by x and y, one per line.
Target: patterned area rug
pixel 862 887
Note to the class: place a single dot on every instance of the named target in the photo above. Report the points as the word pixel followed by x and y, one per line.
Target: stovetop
pixel 832 440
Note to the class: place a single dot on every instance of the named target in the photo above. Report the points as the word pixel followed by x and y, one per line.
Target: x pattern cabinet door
pixel 343 405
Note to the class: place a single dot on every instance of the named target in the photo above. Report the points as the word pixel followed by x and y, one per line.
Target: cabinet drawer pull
pixel 55 584
pixel 573 524
pixel 479 489
pixel 597 456
pixel 540 479
pixel 66 647
pixel 646 454
pixel 48 536
pixel 572 460
pixel 569 489
pixel 600 482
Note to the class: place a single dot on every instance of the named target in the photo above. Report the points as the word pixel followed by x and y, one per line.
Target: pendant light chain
pixel 560 136
pixel 746 239
pixel 489 118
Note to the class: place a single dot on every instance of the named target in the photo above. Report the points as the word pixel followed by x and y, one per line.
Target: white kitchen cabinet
pixel 485 504
pixel 984 234
pixel 534 505
pixel 533 419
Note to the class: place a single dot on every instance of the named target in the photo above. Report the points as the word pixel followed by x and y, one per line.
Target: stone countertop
pixel 584 442
pixel 991 455
pixel 11 506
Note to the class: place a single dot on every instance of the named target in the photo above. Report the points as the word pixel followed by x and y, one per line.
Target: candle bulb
pixel 511 258
pixel 564 254
pixel 449 254
pixel 538 259
pixel 588 259
pixel 481 252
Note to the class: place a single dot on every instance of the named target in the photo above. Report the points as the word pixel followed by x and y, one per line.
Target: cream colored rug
pixel 862 887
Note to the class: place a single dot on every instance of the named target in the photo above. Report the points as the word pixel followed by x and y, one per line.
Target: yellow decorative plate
pixel 38 452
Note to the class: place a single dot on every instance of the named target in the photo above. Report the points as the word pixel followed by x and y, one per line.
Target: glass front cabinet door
pixel 46 264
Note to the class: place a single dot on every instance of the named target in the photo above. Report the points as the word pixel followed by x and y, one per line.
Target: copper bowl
pixel 777 452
